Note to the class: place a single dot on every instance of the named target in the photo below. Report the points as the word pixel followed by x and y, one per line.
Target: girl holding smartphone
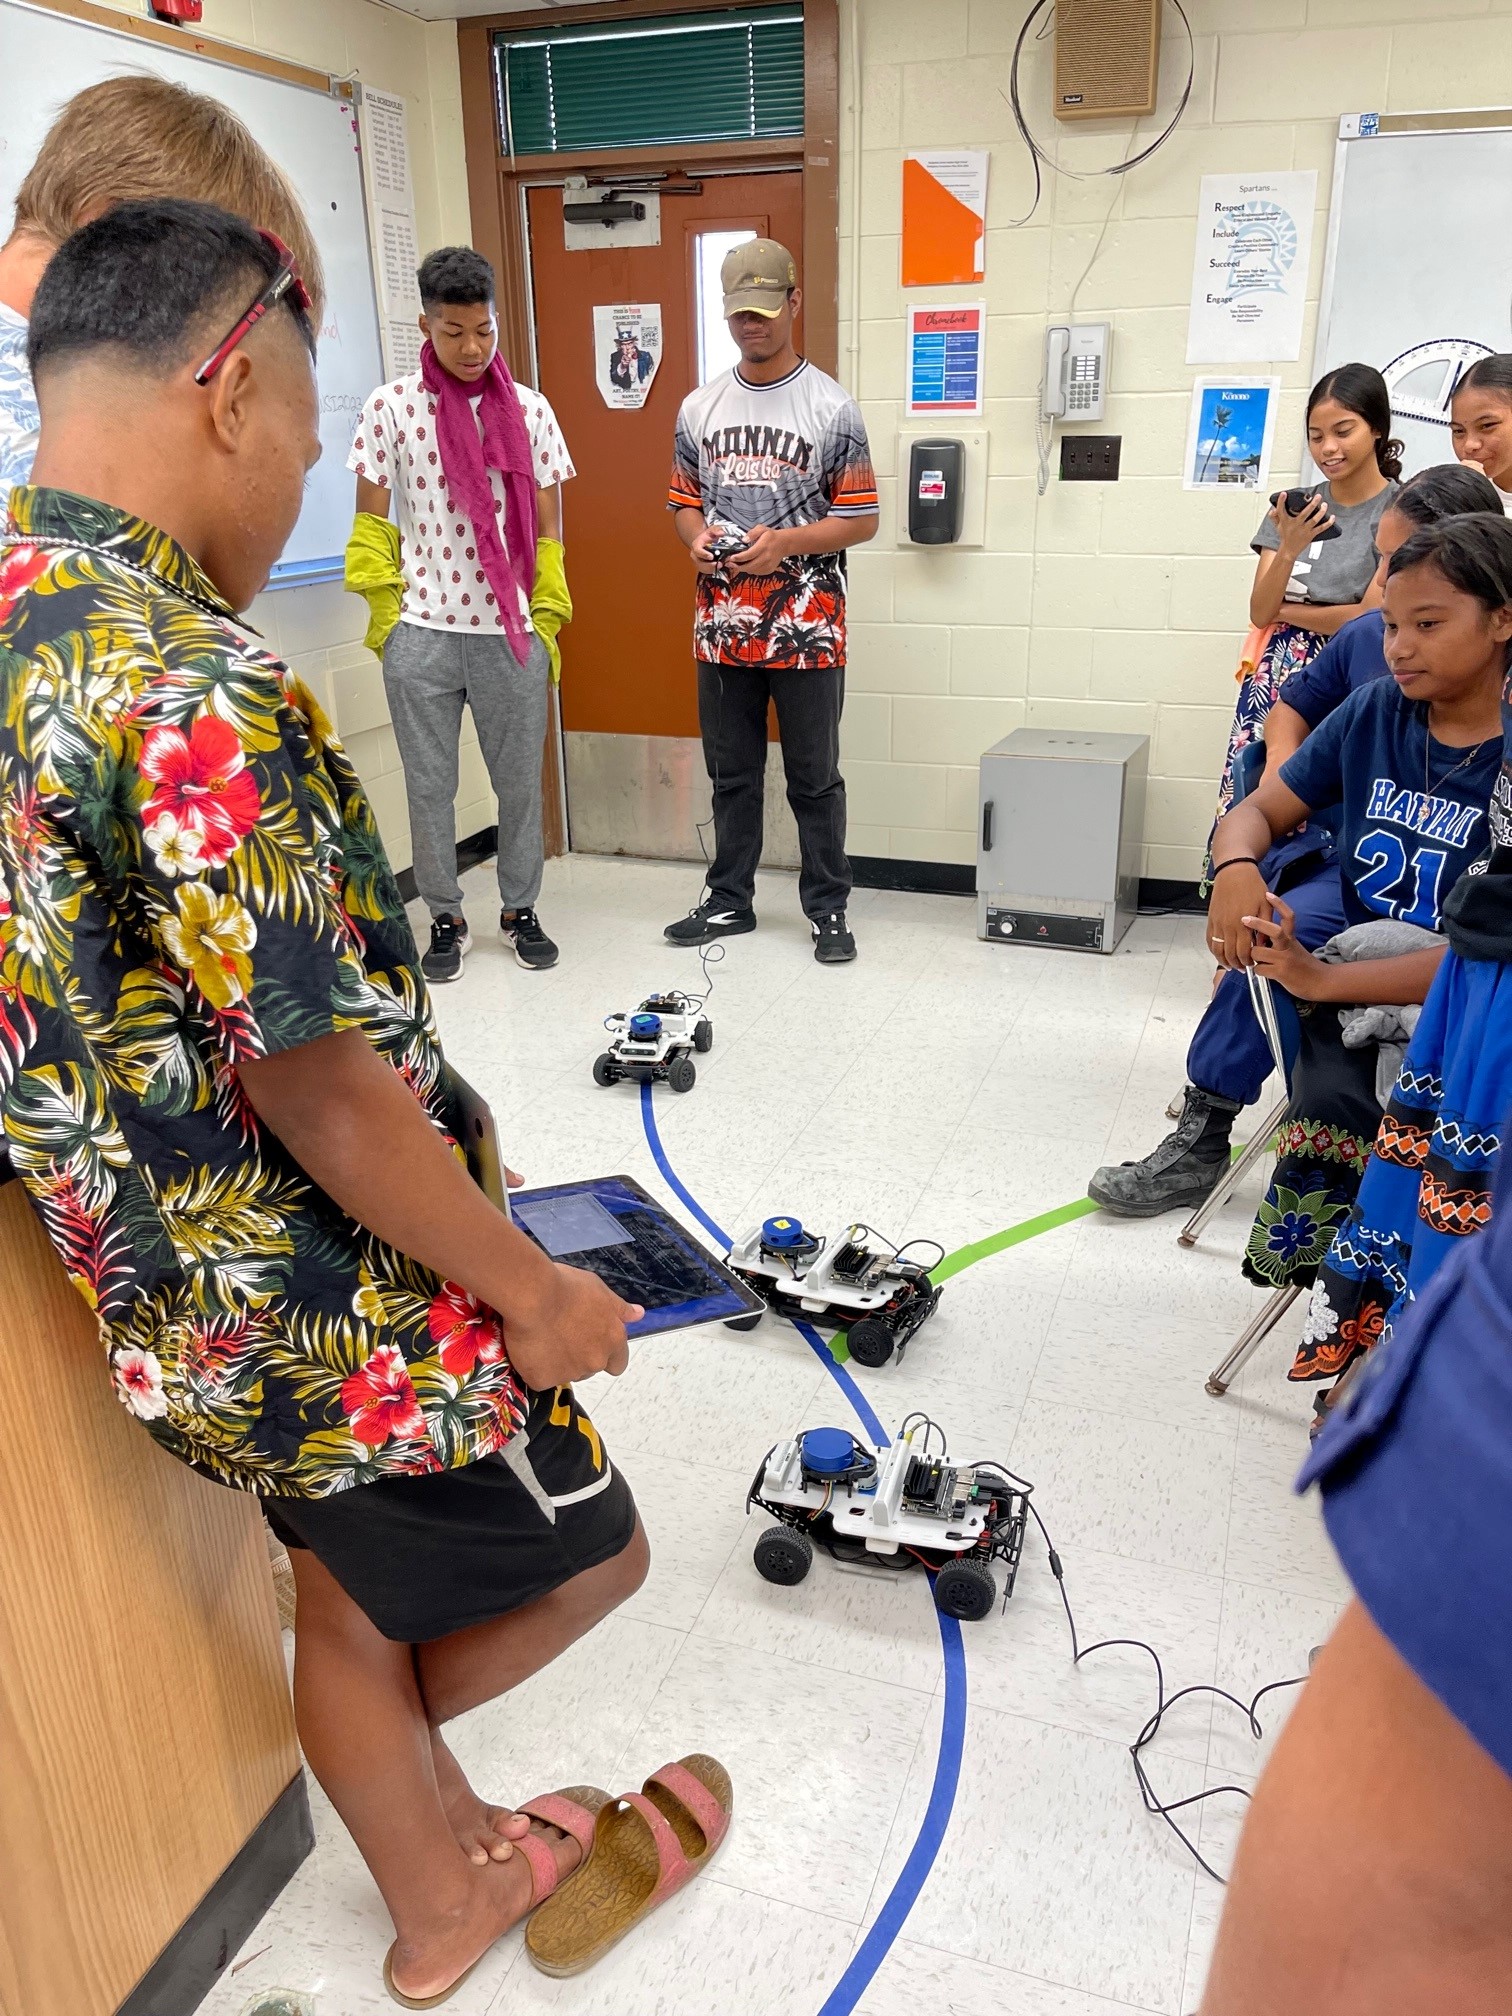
pixel 1316 565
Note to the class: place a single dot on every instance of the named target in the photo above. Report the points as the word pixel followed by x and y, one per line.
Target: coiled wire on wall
pixel 1037 153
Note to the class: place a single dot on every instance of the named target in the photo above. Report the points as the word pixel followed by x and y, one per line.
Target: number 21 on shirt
pixel 1398 883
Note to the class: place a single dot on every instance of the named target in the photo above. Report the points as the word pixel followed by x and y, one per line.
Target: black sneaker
pixel 450 941
pixel 709 921
pixel 532 948
pixel 833 942
pixel 1186 1167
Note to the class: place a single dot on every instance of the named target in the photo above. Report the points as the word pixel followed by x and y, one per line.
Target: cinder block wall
pixel 1114 606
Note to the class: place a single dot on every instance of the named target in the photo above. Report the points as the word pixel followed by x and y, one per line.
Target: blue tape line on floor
pixel 860 1405
pixel 674 1181
pixel 902 1897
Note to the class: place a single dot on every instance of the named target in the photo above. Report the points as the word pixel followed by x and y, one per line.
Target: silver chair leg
pixel 1250 1338
pixel 1216 1198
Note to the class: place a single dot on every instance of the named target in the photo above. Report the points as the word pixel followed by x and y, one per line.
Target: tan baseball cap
pixel 756 277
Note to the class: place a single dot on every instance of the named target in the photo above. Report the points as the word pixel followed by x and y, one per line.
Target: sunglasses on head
pixel 285 281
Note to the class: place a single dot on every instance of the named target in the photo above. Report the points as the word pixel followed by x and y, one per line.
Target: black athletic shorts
pixel 426 1556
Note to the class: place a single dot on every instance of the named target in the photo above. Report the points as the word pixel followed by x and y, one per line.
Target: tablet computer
pixel 613 1228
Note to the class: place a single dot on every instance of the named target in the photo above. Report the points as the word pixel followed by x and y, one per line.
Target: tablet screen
pixel 571 1224
pixel 611 1227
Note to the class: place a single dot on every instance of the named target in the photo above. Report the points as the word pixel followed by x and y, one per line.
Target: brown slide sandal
pixel 647 1845
pixel 574 1811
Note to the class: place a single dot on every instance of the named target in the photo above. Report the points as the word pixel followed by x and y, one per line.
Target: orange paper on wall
pixel 944 218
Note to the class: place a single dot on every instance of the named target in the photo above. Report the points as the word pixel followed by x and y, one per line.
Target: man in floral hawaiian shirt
pixel 221 1084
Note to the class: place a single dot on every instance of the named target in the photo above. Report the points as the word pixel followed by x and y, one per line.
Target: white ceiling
pixel 462 10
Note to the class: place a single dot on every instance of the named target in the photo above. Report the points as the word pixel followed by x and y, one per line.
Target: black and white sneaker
pixel 450 942
pixel 710 921
pixel 833 942
pixel 532 948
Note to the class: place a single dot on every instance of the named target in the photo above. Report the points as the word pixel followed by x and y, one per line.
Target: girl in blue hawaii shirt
pixel 1430 1177
pixel 1412 760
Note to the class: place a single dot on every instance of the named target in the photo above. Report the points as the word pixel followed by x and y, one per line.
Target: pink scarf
pixel 465 463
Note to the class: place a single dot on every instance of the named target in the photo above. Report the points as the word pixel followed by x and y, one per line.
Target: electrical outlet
pixel 1090 458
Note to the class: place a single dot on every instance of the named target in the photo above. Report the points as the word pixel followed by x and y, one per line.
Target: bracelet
pixel 1234 861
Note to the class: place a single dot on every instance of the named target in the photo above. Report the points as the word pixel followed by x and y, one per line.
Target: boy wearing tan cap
pixel 771 482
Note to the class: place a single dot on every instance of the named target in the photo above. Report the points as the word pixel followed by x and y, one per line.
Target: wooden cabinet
pixel 146 1733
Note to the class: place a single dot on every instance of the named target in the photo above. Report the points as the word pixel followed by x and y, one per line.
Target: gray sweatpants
pixel 428 675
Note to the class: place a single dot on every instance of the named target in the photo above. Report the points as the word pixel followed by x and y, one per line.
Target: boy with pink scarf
pixel 466 590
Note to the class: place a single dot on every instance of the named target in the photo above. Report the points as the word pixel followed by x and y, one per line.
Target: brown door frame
pixel 495 181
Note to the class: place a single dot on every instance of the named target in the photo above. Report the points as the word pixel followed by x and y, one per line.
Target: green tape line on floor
pixel 1015 1235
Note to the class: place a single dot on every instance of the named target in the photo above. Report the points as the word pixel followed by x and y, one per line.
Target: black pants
pixel 732 713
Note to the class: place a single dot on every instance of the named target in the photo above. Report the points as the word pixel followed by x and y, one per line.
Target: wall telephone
pixel 1076 371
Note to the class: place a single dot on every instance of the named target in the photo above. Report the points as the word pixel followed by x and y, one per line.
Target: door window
pixel 716 346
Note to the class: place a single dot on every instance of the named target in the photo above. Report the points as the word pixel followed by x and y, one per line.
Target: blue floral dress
pixel 1289 649
pixel 1431 1174
pixel 1430 1179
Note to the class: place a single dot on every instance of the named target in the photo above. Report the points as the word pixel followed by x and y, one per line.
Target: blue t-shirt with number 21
pixel 1414 808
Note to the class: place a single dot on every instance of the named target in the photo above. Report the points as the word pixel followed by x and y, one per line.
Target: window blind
pixel 655 81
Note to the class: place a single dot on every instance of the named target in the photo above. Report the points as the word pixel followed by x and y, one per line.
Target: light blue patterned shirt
pixel 19 418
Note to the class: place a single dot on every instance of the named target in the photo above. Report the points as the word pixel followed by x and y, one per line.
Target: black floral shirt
pixel 190 875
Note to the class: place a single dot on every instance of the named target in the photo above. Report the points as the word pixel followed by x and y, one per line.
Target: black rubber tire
pixel 743 1322
pixel 703 1035
pixel 966 1590
pixel 870 1342
pixel 604 1072
pixel 682 1073
pixel 784 1555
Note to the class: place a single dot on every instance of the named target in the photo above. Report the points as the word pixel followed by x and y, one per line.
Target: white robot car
pixel 863 1284
pixel 656 1041
pixel 893 1507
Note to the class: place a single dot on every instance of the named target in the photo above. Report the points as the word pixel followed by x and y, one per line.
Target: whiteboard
pixel 313 138
pixel 1418 275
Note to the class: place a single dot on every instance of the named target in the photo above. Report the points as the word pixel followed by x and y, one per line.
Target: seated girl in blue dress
pixel 1430 1178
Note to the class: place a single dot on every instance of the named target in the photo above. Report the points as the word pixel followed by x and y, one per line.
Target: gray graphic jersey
pixel 783 454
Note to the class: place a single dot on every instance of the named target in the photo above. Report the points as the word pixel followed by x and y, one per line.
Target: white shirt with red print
pixel 395 447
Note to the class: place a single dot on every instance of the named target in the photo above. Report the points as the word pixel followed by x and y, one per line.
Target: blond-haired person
pixel 128 138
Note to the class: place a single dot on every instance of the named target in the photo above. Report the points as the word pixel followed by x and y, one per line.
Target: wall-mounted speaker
pixel 1107 57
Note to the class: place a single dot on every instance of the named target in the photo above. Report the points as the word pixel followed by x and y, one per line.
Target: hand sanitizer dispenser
pixel 936 491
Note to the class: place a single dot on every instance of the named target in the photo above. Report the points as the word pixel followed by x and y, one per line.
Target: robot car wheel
pixel 604 1072
pixel 870 1341
pixel 743 1322
pixel 681 1072
pixel 703 1034
pixel 966 1590
pixel 784 1554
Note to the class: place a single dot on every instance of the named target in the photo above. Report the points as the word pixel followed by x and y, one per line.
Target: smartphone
pixel 480 1143
pixel 1296 502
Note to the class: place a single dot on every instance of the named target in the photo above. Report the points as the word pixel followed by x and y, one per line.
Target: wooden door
pixel 628 655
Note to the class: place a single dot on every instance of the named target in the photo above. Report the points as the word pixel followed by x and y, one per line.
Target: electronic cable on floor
pixel 1163 1702
pixel 1166 1809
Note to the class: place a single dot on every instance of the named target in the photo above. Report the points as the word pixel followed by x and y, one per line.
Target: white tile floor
pixel 944 1088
